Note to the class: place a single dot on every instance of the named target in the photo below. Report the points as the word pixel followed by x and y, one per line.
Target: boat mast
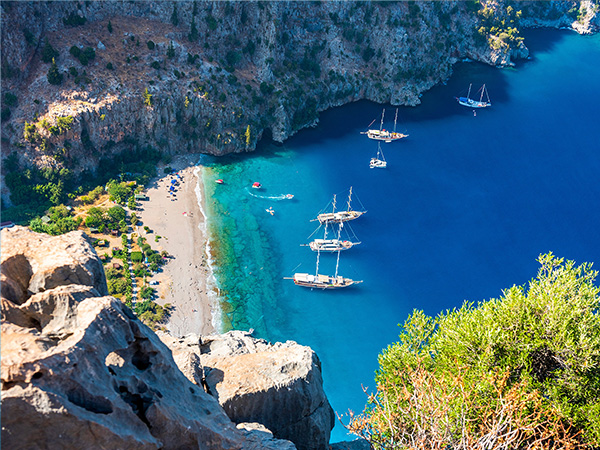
pixel 337 264
pixel 395 119
pixel 482 91
pixel 326 224
pixel 469 93
pixel 350 199
pixel 381 125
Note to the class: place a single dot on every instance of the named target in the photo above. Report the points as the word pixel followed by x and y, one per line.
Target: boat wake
pixel 270 197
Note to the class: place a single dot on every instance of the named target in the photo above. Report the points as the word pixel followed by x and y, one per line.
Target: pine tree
pixel 48 52
pixel 174 18
pixel 193 35
pixel 170 50
pixel 54 76
pixel 109 27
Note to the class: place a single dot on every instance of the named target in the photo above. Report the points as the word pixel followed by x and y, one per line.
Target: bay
pixel 465 207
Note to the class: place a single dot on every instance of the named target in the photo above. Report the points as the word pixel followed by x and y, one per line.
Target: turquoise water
pixel 464 208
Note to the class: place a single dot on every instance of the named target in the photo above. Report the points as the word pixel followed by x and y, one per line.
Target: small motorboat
pixel 270 210
pixel 256 185
pixel 219 181
pixel 289 196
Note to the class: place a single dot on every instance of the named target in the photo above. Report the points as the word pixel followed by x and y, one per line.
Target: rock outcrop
pixel 215 76
pixel 80 371
pixel 278 385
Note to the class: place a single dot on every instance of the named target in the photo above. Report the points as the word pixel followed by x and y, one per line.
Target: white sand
pixel 183 282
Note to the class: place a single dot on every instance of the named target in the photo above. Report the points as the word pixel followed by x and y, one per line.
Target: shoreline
pixel 186 280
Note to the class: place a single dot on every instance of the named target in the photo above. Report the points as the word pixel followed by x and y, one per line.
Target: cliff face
pixel 80 371
pixel 213 76
pixel 278 385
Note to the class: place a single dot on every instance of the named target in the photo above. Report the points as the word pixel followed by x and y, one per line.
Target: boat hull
pixel 330 245
pixel 377 164
pixel 341 216
pixel 473 103
pixel 322 281
pixel 386 136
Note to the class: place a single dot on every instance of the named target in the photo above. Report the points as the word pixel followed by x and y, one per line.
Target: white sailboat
pixel 379 161
pixel 331 245
pixel 470 103
pixel 340 216
pixel 384 135
pixel 321 281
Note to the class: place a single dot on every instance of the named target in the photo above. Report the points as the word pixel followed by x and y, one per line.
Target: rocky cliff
pixel 278 385
pixel 214 76
pixel 80 371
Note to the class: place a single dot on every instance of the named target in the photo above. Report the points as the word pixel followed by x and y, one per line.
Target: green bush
pixel 10 99
pixel 521 370
pixel 75 51
pixel 137 256
pixel 74 20
pixel 150 45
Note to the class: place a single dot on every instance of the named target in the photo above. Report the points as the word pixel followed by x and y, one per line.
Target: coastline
pixel 185 281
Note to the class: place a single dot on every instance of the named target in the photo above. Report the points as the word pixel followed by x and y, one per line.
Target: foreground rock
pixel 278 385
pixel 80 371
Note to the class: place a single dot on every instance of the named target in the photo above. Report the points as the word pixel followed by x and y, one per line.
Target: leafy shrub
pixel 150 45
pixel 212 22
pixel 75 51
pixel 517 372
pixel 110 66
pixel 10 99
pixel 137 256
pixel 74 20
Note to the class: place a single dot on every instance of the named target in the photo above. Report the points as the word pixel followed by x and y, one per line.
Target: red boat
pixel 219 181
pixel 256 185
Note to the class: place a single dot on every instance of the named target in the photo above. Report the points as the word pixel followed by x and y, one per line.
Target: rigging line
pixel 313 233
pixel 372 122
pixel 361 204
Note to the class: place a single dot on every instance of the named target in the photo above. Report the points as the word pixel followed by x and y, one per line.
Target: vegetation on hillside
pixel 521 371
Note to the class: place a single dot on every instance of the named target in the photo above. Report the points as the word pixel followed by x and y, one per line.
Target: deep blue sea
pixel 463 210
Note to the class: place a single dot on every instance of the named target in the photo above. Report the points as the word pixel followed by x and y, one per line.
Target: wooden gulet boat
pixel 340 216
pixel 384 135
pixel 331 245
pixel 321 281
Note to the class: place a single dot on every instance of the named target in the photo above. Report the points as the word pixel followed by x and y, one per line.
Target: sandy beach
pixel 181 225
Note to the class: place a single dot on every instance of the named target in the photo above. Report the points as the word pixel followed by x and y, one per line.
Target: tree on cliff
pixel 54 76
pixel 522 371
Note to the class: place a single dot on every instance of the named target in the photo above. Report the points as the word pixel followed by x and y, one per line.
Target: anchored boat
pixel 340 216
pixel 469 102
pixel 384 135
pixel 379 161
pixel 331 245
pixel 321 281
